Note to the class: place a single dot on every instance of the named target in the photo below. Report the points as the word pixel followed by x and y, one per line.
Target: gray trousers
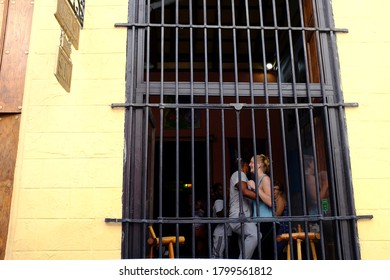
pixel 249 231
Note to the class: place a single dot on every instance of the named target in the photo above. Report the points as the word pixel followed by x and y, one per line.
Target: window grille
pixel 209 85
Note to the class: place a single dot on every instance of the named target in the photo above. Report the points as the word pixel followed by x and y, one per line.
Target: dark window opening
pixel 199 104
pixel 202 153
pixel 222 39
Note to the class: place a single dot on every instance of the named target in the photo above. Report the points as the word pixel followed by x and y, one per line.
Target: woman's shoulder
pixel 265 178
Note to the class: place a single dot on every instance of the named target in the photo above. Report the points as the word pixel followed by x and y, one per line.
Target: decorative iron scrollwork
pixel 78 7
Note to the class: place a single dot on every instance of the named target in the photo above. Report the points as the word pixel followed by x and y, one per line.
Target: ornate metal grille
pixel 78 7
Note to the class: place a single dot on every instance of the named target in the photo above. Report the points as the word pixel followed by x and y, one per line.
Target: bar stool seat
pixel 153 241
pixel 299 236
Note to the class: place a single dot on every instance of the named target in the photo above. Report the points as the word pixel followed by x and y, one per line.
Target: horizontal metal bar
pixel 230 89
pixel 251 27
pixel 235 106
pixel 159 4
pixel 209 220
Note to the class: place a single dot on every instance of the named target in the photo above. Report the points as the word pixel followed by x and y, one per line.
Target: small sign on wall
pixel 70 16
pixel 68 22
pixel 63 69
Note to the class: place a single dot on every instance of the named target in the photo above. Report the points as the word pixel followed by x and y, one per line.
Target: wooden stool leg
pixel 299 249
pixel 313 249
pixel 288 251
pixel 151 252
pixel 171 253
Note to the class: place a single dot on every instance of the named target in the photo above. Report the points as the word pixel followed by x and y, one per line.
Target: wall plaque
pixel 63 70
pixel 68 22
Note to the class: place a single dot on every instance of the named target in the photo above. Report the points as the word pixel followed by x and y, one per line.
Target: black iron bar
pixel 234 106
pixel 233 27
pixel 186 220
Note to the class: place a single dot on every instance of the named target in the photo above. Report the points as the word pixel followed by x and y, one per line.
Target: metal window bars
pixel 212 83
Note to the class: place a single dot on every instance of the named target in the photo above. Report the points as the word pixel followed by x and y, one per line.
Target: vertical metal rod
pixel 331 170
pixel 145 170
pixel 270 142
pixel 293 82
pixel 239 163
pixel 194 185
pixel 223 134
pixel 308 88
pixel 234 31
pixel 324 99
pixel 161 126
pixel 253 112
pixel 208 167
pixel 237 95
pixel 262 39
pixel 344 141
pixel 177 127
pixel 128 202
pixel 298 128
pixel 303 188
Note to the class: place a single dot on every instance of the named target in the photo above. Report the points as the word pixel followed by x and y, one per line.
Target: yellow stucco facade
pixel 70 159
pixel 69 167
pixel 364 63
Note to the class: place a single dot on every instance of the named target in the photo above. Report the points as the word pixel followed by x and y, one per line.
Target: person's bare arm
pixel 324 185
pixel 280 204
pixel 312 189
pixel 245 191
pixel 251 185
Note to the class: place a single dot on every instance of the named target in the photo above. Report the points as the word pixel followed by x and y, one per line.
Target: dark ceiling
pixel 235 34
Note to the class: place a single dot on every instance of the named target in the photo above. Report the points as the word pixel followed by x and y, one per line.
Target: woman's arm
pixel 280 204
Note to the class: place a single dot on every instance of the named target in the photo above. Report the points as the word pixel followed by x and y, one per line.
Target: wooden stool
pixel 299 236
pixel 154 241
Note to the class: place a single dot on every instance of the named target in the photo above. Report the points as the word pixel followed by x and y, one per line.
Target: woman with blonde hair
pixel 262 207
pixel 260 172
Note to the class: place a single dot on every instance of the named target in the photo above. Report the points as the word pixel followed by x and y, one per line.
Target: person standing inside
pixel 200 229
pixel 219 231
pixel 239 206
pixel 311 187
pixel 281 210
pixel 262 207
pixel 280 198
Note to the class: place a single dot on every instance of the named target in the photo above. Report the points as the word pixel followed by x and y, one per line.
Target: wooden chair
pixel 299 236
pixel 169 241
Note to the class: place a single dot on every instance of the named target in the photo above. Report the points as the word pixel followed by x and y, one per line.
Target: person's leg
pixel 217 246
pixel 218 243
pixel 236 228
pixel 250 232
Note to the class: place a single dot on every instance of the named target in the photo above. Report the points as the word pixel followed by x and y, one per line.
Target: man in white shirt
pixel 242 205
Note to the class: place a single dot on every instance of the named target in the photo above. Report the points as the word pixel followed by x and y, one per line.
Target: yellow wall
pixel 70 159
pixel 365 67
